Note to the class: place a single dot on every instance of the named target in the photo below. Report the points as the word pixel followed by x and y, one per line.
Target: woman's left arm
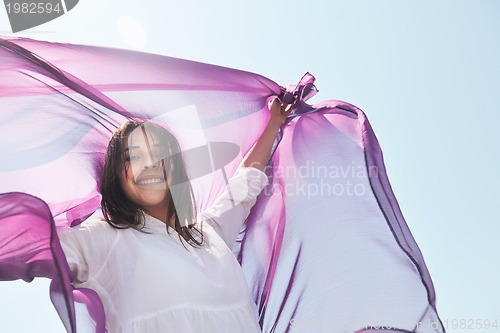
pixel 230 210
pixel 258 156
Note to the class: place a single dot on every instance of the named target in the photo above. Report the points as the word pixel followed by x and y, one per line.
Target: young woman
pixel 156 264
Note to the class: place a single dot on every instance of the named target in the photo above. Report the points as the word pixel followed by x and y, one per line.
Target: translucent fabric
pixel 325 248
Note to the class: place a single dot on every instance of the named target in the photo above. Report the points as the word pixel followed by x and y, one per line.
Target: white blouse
pixel 152 282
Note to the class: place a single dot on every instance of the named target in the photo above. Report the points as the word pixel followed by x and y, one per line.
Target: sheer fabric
pixel 325 248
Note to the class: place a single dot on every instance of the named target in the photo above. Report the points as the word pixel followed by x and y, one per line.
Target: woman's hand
pixel 279 111
pixel 258 156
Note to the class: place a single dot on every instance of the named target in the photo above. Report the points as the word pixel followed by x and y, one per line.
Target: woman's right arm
pixel 86 247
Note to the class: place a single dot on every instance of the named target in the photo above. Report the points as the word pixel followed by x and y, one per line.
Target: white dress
pixel 152 282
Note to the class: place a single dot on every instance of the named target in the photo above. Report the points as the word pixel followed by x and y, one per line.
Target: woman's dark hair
pixel 120 212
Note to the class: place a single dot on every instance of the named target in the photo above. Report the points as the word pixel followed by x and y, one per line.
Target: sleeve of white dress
pixel 86 247
pixel 230 210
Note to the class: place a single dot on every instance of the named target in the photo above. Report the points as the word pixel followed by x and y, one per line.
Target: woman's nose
pixel 151 163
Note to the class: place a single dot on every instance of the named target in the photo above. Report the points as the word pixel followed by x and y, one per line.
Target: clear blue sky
pixel 426 73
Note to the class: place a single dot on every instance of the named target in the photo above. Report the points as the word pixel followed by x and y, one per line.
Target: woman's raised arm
pixel 258 156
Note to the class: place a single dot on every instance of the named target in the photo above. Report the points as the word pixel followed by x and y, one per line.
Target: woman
pixel 156 265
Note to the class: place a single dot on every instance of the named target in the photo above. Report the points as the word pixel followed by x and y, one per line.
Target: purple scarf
pixel 325 248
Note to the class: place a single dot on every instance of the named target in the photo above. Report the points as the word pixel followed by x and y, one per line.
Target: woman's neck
pixel 161 215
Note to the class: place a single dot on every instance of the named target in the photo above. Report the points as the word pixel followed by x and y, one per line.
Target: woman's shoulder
pixel 94 228
pixel 90 241
pixel 95 224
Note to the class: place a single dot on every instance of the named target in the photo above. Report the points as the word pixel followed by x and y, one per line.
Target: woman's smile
pixel 147 179
pixel 150 181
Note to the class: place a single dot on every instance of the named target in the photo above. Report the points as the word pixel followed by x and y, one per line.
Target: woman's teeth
pixel 150 181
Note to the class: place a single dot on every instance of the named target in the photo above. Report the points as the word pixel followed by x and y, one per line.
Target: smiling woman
pixel 144 174
pixel 147 199
pixel 308 256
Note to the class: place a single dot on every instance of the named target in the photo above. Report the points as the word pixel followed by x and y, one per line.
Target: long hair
pixel 120 212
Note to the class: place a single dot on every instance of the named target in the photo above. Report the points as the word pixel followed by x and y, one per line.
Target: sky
pixel 426 73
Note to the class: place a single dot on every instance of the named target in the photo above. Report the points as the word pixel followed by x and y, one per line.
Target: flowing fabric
pixel 325 248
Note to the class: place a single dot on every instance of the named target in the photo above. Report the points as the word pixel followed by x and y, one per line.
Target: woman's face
pixel 143 179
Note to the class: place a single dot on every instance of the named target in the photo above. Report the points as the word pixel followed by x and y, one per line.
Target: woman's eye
pixel 131 158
